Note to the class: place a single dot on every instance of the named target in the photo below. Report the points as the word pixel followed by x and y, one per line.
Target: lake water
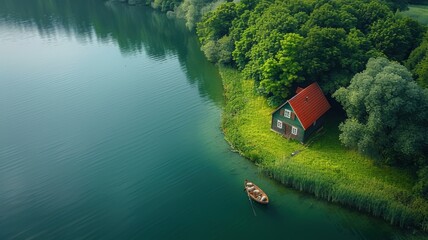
pixel 110 129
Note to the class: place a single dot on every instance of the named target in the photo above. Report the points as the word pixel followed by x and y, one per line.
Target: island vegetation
pixel 371 61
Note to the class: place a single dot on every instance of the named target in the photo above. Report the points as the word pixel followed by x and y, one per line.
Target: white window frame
pixel 293 130
pixel 279 124
pixel 287 113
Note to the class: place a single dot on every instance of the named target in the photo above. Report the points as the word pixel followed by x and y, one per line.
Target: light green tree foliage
pixel 243 46
pixel 225 48
pixel 261 40
pixel 219 51
pixel 165 5
pixel 421 72
pixel 387 113
pixel 418 54
pixel 280 71
pixel 265 49
pixel 216 24
pixel 244 32
pixel 191 11
pixel 214 33
pixel 210 49
pixel 418 63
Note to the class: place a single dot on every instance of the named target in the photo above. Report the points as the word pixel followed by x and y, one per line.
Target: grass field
pixel 323 167
pixel 418 13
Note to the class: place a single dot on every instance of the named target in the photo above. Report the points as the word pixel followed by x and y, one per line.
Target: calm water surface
pixel 110 129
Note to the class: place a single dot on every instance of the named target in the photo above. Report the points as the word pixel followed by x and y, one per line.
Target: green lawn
pixel 418 13
pixel 323 167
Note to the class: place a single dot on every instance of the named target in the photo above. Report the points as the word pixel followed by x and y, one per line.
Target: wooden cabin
pixel 302 114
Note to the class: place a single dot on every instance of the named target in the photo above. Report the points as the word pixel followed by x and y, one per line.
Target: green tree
pixel 370 12
pixel 190 11
pixel 165 5
pixel 387 113
pixel 243 46
pixel 421 72
pixel 421 187
pixel 356 50
pixel 261 39
pixel 321 50
pixel 328 15
pixel 216 24
pixel 211 51
pixel 417 63
pixel 339 36
pixel 265 49
pixel 281 71
pixel 395 36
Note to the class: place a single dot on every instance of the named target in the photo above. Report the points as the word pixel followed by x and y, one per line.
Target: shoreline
pixel 324 168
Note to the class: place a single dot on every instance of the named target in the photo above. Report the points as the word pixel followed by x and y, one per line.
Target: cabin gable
pixel 286 122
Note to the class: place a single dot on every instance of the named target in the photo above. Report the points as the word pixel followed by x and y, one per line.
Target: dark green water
pixel 110 129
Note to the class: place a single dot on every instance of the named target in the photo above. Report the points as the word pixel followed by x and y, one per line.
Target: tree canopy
pixel 417 62
pixel 336 38
pixel 387 114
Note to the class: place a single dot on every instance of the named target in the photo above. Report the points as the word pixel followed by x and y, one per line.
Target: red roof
pixel 309 104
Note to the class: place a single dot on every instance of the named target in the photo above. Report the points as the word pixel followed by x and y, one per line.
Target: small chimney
pixel 306 98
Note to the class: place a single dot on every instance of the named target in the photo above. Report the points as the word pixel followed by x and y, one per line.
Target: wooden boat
pixel 256 193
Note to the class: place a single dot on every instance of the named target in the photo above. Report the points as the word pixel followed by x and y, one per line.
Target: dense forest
pixel 363 53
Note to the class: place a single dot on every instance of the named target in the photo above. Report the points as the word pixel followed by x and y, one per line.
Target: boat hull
pixel 256 193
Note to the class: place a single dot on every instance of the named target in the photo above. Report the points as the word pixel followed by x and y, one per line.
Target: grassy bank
pixel 418 13
pixel 324 167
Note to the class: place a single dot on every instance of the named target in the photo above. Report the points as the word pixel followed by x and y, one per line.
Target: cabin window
pixel 294 130
pixel 287 113
pixel 279 124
